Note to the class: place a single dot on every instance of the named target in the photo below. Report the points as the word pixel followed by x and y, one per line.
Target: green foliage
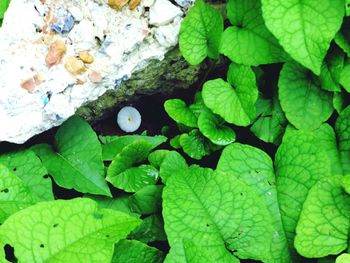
pixel 323 225
pixel 180 113
pixel 255 168
pixel 222 215
pixel 304 28
pixel 270 124
pixel 200 33
pixel 131 251
pixel 58 237
pixel 3 6
pixel 237 96
pixel 305 104
pixel 253 42
pixel 79 154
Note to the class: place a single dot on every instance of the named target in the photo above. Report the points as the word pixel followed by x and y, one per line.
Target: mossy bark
pixel 159 76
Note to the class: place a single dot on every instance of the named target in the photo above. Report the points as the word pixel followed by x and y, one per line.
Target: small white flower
pixel 129 119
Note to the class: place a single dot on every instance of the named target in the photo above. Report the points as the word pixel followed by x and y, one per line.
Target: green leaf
pixel 115 145
pixel 271 122
pixel 342 128
pixel 198 106
pixel 121 203
pixel 235 104
pixel 214 128
pixel 78 161
pixel 345 183
pixel 343 258
pixel 299 164
pixel 156 158
pixel 218 212
pixel 195 253
pixel 304 28
pixel 3 7
pixel 133 251
pixel 248 41
pixel 14 194
pixel 331 70
pixel 323 225
pixel 345 78
pixel 326 141
pixel 132 154
pixel 305 104
pixel 255 168
pixel 135 178
pixel 200 33
pixel 148 200
pixel 66 231
pixel 342 38
pixel 179 112
pixel 172 164
pixel 29 169
pixel 339 102
pixel 175 142
pixel 194 145
pixel 151 229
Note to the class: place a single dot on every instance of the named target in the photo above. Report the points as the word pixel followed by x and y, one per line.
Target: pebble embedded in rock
pixel 117 4
pixel 74 65
pixel 86 57
pixel 133 4
pixel 95 77
pixel 30 84
pixel 57 50
pixel 64 21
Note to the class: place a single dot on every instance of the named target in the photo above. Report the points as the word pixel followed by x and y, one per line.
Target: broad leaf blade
pixel 345 78
pixel 172 164
pixel 179 112
pixel 213 127
pixel 132 154
pixel 271 121
pixel 28 167
pixel 116 144
pixel 14 194
pixel 342 128
pixel 222 214
pixel 255 168
pixel 62 230
pixel 200 33
pixel 78 161
pixel 306 106
pixel 324 222
pixel 299 164
pixel 133 251
pixel 304 28
pixel 195 145
pixel 248 41
pixel 235 104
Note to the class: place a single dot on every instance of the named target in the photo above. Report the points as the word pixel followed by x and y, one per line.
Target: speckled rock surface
pixel 58 57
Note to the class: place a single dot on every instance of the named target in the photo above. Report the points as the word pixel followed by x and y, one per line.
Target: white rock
pixel 185 3
pixel 167 35
pixel 120 42
pixel 162 12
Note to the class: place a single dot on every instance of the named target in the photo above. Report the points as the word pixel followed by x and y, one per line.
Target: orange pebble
pixel 117 4
pixel 95 77
pixel 57 50
pixel 133 4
